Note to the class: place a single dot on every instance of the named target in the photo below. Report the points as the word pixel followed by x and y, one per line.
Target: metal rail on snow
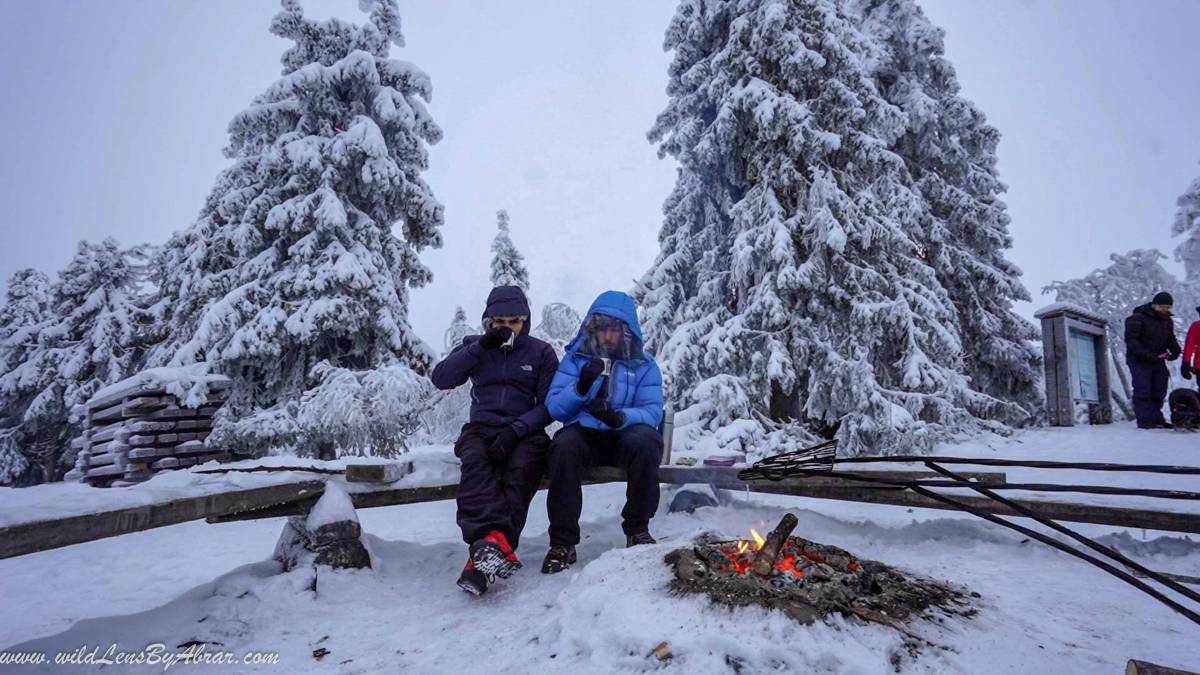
pixel 819 460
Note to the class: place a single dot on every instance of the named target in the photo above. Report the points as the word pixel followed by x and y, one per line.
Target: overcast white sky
pixel 113 114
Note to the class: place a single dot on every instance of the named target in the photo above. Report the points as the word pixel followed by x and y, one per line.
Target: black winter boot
pixel 558 558
pixel 473 581
pixel 638 539
pixel 491 559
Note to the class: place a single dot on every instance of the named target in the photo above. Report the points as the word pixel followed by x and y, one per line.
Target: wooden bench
pixel 295 498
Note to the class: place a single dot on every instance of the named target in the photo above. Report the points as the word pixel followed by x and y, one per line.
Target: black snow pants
pixel 637 448
pixel 494 496
pixel 1150 382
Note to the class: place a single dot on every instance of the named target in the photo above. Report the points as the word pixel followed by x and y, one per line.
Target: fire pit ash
pixel 806 580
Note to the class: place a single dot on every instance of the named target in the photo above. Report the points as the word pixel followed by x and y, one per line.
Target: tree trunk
pixel 784 406
pixel 1121 398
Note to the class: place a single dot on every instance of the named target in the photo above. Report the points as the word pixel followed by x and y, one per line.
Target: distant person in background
pixel 1149 343
pixel 503 446
pixel 1191 352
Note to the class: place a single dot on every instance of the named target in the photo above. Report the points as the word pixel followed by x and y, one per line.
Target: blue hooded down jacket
pixel 636 382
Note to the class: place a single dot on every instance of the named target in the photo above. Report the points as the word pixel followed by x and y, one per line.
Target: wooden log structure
pixel 1149 519
pixel 142 429
pixel 297 498
pixel 46 534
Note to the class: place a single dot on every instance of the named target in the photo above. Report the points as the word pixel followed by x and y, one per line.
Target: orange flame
pixel 758 540
pixel 742 546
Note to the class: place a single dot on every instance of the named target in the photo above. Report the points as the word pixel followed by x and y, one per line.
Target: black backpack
pixel 1185 409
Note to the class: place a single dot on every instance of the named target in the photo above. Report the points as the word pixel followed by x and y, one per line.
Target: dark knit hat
pixel 1163 298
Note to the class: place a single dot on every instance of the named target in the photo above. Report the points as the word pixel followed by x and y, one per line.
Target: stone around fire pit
pixel 810 581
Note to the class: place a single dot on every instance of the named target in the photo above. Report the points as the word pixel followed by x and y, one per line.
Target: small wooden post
pixel 668 432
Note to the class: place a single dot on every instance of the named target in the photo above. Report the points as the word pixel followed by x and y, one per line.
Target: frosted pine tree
pixel 950 151
pixel 508 265
pixel 305 250
pixel 459 329
pixel 791 285
pixel 1112 292
pixel 559 325
pixel 26 305
pixel 86 341
pixel 1187 222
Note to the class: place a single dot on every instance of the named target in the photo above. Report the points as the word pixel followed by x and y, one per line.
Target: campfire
pixel 807 580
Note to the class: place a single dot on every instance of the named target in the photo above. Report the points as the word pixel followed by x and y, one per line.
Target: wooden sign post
pixel 1075 346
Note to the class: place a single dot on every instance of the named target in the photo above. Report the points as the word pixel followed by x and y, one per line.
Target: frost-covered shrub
pixel 365 413
pixel 559 325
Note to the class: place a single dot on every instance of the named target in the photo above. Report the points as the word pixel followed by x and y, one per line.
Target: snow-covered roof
pixel 1064 307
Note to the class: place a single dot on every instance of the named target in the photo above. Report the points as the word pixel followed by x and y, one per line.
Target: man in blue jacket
pixel 608 395
pixel 503 446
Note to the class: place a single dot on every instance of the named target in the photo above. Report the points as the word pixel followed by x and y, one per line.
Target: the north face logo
pixel 527 367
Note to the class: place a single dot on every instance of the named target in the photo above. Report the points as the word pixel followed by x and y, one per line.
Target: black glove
pixel 602 410
pixel 502 446
pixel 1185 370
pixel 495 337
pixel 588 375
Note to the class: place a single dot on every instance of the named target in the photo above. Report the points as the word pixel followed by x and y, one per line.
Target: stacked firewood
pixel 131 434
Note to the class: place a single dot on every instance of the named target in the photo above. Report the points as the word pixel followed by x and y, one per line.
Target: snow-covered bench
pixel 61 514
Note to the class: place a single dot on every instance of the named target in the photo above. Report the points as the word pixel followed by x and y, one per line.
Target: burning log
pixel 764 560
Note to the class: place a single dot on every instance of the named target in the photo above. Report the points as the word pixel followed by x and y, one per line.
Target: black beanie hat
pixel 1163 298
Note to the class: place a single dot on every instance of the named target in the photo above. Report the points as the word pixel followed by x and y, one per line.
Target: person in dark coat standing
pixel 1149 343
pixel 503 446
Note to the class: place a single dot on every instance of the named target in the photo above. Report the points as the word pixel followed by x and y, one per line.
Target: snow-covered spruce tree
pixel 459 329
pixel 27 301
pixel 1112 292
pixel 950 150
pixel 791 280
pixel 559 325
pixel 508 265
pixel 293 261
pixel 26 306
pixel 1187 222
pixel 85 342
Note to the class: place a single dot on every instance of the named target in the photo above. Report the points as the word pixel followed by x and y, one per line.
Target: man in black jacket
pixel 503 446
pixel 1149 343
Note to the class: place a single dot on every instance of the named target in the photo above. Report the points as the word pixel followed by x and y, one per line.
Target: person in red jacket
pixel 1191 352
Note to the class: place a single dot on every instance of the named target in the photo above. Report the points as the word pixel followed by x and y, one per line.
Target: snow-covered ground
pixel 1040 610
